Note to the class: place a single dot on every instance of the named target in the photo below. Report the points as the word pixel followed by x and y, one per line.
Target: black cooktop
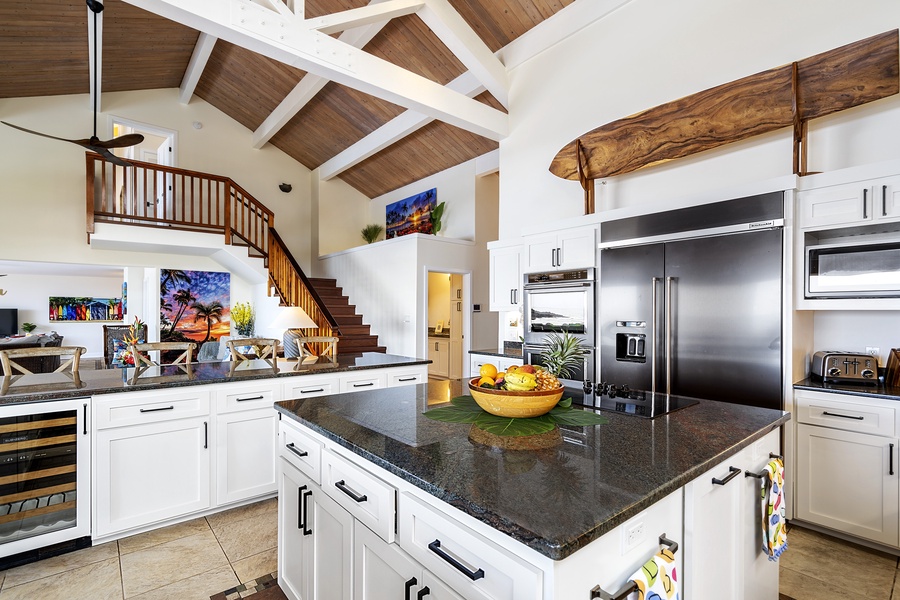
pixel 620 399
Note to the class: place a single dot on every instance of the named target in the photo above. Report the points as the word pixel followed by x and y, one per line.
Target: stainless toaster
pixel 845 366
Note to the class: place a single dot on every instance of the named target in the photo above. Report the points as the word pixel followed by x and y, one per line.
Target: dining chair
pixel 264 348
pixel 114 341
pixel 72 352
pixel 142 359
pixel 324 344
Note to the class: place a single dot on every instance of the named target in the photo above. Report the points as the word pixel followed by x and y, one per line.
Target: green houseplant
pixel 28 327
pixel 371 232
pixel 437 214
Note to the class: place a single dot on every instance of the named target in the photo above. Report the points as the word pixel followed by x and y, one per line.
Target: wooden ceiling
pixel 45 48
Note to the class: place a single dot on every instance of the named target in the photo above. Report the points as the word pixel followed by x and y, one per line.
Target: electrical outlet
pixel 634 534
pixel 873 351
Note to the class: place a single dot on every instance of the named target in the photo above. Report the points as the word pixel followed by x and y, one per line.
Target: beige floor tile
pixel 244 538
pixel 170 562
pixel 60 564
pixel 198 587
pixel 243 512
pixel 95 581
pixel 256 566
pixel 161 536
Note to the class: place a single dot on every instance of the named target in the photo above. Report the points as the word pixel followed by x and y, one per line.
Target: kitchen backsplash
pixel 854 331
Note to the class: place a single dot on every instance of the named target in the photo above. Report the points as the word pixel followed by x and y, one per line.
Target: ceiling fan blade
pixel 110 156
pixel 52 137
pixel 123 141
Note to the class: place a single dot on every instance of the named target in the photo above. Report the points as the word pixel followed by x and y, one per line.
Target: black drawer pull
pixel 891 461
pixel 306 495
pixel 435 547
pixel 409 586
pixel 884 201
pixel 85 419
pixel 293 448
pixel 733 472
pixel 146 410
pixel 865 193
pixel 315 391
pixel 407 378
pixel 300 524
pixel 356 497
pixel 423 592
pixel 205 435
pixel 370 384
pixel 251 398
pixel 831 414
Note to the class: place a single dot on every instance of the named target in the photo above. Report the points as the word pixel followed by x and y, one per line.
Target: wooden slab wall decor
pixel 786 96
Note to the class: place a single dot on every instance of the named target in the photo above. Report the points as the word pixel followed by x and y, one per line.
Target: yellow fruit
pixel 488 370
pixel 500 375
pixel 520 382
pixel 485 380
pixel 512 369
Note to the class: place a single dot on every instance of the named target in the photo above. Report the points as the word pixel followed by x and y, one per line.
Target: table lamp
pixel 290 319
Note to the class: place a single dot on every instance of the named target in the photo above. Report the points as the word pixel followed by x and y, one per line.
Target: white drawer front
pixel 484 570
pixel 307 387
pixel 849 415
pixel 407 378
pixel 302 451
pixel 365 380
pixel 367 498
pixel 137 409
pixel 246 398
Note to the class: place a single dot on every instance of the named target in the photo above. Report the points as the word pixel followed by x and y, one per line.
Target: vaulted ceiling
pixel 373 144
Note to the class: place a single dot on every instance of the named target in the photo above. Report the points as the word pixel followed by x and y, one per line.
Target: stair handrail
pixel 275 239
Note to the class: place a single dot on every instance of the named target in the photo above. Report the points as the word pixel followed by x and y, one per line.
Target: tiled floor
pixel 206 556
pixel 192 560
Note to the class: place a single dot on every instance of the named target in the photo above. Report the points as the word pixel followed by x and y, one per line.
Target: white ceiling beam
pixel 391 132
pixel 463 42
pixel 487 163
pixel 284 9
pixel 366 15
pixel 271 34
pixel 202 51
pixel 95 62
pixel 307 88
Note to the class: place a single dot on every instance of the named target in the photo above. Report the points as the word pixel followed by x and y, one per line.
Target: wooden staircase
pixel 355 336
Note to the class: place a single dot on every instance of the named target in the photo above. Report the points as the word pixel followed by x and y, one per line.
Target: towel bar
pixel 762 475
pixel 598 592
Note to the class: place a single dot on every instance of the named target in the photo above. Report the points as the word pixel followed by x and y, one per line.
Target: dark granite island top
pixel 45 387
pixel 875 390
pixel 554 500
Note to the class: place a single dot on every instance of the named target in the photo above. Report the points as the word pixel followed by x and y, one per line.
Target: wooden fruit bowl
pixel 510 403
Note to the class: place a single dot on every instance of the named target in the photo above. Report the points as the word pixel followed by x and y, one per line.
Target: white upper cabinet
pixel 858 203
pixel 565 249
pixel 506 278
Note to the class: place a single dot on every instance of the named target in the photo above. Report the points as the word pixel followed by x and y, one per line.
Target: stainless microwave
pixel 853 269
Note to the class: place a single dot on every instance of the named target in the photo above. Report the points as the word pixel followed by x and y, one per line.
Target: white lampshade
pixel 293 317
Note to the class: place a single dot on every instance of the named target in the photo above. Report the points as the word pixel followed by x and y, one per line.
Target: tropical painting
pixel 194 305
pixel 64 308
pixel 411 215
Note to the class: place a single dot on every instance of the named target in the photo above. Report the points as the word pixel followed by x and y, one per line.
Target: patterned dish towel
pixel 772 504
pixel 657 579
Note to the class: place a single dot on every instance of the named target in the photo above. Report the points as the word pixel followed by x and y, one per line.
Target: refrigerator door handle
pixel 669 283
pixel 653 348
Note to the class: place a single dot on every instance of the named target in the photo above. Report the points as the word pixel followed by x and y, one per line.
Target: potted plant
pixel 243 317
pixel 437 213
pixel 28 328
pixel 371 232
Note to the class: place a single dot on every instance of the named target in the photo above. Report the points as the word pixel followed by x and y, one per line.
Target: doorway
pixel 447 326
pixel 158 148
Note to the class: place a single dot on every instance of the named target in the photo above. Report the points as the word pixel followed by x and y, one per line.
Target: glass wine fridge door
pixel 43 467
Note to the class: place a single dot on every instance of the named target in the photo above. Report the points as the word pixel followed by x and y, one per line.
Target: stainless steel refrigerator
pixel 690 301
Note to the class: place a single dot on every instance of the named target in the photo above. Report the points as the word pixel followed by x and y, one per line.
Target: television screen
pixel 9 321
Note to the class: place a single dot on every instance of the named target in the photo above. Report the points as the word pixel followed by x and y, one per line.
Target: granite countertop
pixel 56 386
pixel 556 499
pixel 872 390
pixel 506 352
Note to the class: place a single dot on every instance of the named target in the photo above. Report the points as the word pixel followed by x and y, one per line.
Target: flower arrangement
pixel 243 317
pixel 135 335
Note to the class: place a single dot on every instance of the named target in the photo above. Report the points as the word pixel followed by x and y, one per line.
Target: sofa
pixel 35 364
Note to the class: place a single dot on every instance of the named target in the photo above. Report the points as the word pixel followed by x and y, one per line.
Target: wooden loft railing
pixel 151 195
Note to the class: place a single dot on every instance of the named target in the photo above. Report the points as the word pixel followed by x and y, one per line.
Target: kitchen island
pixel 580 510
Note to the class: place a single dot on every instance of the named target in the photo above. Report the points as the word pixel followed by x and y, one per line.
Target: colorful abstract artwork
pixel 411 215
pixel 63 308
pixel 194 305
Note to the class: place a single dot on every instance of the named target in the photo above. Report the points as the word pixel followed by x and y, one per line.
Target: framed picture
pixel 439 327
pixel 194 305
pixel 410 215
pixel 63 308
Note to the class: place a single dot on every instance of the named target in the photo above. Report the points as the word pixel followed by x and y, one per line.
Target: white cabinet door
pixel 294 537
pixel 149 473
pixel 848 481
pixel 541 253
pixel 506 278
pixel 874 200
pixel 332 535
pixel 439 354
pixel 567 249
pixel 246 449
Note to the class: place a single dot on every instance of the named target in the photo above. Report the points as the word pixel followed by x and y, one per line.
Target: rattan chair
pixel 73 352
pixel 141 359
pixel 265 349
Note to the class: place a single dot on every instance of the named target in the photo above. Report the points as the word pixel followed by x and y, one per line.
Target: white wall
pixel 854 331
pixel 653 51
pixel 342 213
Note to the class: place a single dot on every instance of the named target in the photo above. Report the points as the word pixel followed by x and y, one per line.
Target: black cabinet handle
pixel 884 201
pixel 865 194
pixel 356 497
pixel 370 384
pixel 831 414
pixel 300 516
pixel 85 418
pixel 315 391
pixel 205 434
pixel 891 460
pixel 409 586
pixel 146 410
pixel 407 378
pixel 733 472
pixel 251 398
pixel 306 528
pixel 423 592
pixel 293 448
pixel 435 547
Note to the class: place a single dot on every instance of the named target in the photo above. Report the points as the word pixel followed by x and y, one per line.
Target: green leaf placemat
pixel 464 409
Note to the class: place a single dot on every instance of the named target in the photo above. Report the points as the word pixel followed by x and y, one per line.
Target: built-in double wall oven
pixel 555 303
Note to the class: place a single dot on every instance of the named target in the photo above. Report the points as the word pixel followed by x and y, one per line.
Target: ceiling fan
pixel 95 144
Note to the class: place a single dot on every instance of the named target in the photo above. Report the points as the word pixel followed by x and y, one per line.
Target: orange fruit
pixel 500 375
pixel 488 370
pixel 512 369
pixel 485 380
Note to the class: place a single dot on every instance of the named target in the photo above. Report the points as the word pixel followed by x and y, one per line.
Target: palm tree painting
pixel 410 215
pixel 194 305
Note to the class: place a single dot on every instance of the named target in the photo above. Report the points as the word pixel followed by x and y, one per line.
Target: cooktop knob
pixel 867 373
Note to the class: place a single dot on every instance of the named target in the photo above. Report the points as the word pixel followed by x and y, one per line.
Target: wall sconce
pixel 285 187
